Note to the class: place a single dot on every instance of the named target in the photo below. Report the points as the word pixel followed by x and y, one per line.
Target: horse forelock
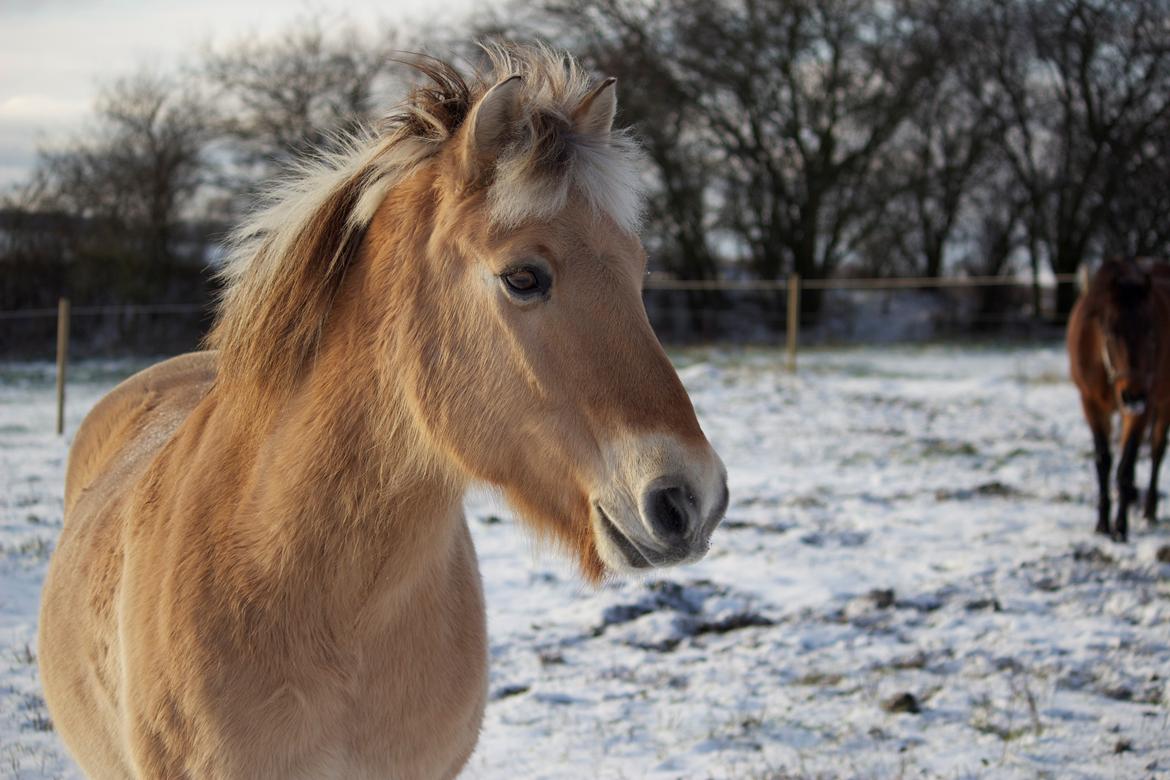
pixel 547 156
pixel 1115 287
pixel 286 261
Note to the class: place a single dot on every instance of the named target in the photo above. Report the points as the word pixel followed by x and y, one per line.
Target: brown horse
pixel 265 570
pixel 1119 354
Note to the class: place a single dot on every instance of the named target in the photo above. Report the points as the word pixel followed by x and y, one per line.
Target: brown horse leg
pixel 1100 423
pixel 1157 450
pixel 1104 462
pixel 1132 428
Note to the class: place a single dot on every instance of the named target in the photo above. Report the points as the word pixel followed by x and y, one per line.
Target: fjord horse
pixel 265 571
pixel 1119 355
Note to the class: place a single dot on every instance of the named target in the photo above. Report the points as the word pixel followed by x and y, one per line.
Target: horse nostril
pixel 669 510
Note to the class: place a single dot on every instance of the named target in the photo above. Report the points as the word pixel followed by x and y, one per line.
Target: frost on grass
pixel 906 585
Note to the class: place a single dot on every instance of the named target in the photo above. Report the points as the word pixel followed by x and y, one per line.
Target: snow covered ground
pixel 906 585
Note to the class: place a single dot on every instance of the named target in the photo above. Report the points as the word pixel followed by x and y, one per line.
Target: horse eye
pixel 522 281
pixel 526 281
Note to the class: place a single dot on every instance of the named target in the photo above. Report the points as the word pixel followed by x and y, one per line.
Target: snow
pixel 906 584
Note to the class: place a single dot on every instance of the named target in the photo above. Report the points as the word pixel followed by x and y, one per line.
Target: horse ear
pixel 492 120
pixel 595 114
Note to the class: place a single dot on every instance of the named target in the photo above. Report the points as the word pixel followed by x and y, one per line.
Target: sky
pixel 56 54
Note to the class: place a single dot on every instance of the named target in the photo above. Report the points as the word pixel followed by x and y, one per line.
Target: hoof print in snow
pixel 871 610
pixel 903 702
pixel 1089 554
pixel 837 538
pixel 1047 584
pixel 778 527
pixel 668 613
pixel 994 489
pixel 930 602
pixel 1120 693
pixel 733 622
pixel 507 691
pixel 551 658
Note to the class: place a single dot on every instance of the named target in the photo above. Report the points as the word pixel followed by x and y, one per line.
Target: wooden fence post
pixel 62 359
pixel 793 318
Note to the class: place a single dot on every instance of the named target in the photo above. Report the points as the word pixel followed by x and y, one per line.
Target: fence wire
pixel 841 310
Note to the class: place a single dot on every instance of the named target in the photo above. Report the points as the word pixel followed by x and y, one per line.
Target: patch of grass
pixel 24 655
pixel 993 489
pixel 1006 723
pixel 779 527
pixel 915 661
pixel 40 721
pixel 819 679
pixel 38 714
pixel 1042 378
pixel 986 720
pixel 37 547
pixel 941 448
pixel 1012 454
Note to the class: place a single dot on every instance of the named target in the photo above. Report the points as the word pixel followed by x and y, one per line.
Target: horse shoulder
pixel 80 653
pixel 1079 341
pixel 127 426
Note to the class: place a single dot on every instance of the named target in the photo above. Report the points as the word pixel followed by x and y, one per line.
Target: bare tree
pixel 1076 87
pixel 295 95
pixel 803 99
pixel 766 122
pixel 1137 217
pixel 991 239
pixel 939 155
pixel 32 247
pixel 925 180
pixel 131 177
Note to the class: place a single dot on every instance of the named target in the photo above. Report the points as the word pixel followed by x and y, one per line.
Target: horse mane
pixel 287 261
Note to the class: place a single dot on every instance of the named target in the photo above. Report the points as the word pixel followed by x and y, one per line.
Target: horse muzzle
pixel 651 517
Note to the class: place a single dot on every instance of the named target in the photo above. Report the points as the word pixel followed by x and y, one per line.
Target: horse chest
pixel 404 699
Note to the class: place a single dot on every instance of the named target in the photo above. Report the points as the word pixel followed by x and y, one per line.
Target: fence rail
pixel 89 311
pixel 654 282
pixel 793 285
pixel 861 283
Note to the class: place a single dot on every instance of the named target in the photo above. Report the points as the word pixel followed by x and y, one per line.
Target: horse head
pixel 1124 312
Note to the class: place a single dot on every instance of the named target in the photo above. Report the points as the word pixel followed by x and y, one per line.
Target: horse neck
pixel 349 499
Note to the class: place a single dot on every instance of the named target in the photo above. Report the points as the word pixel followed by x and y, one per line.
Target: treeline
pixel 134 208
pixel 901 137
